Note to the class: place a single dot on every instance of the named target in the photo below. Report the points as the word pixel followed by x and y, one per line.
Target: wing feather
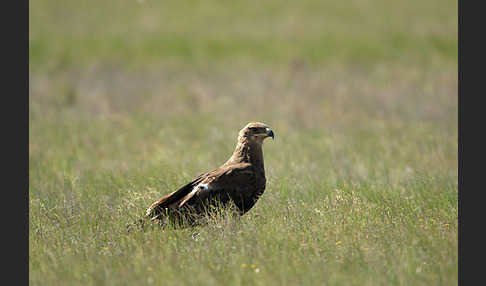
pixel 173 197
pixel 226 177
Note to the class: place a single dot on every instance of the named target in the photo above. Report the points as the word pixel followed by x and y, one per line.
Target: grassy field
pixel 131 99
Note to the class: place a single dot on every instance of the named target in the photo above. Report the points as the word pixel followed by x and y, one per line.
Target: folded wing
pixel 233 182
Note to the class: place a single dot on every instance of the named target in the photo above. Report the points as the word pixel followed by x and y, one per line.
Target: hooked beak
pixel 270 134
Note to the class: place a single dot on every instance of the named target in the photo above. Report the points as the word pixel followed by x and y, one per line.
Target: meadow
pixel 129 100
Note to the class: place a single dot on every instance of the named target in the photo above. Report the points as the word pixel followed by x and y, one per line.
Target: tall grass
pixel 130 101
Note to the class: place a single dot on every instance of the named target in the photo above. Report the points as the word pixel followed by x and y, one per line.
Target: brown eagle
pixel 241 181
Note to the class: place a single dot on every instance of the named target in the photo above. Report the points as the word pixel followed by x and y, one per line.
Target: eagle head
pixel 256 131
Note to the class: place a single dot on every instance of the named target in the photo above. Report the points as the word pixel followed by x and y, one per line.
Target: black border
pixel 15 141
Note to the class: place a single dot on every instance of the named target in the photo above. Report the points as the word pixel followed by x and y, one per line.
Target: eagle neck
pixel 247 152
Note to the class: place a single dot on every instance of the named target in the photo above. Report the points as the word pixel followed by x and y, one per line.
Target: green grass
pixel 241 33
pixel 129 101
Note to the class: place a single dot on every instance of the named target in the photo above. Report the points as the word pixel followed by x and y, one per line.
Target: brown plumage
pixel 241 180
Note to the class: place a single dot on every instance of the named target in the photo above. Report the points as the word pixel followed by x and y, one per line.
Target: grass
pixel 145 33
pixel 128 101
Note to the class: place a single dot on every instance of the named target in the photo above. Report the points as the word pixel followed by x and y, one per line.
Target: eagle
pixel 239 181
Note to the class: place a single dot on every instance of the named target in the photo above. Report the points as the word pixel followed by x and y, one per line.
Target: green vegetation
pixel 143 33
pixel 131 99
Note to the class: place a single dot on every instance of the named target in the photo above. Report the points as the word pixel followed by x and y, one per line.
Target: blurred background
pixel 308 65
pixel 170 58
pixel 130 99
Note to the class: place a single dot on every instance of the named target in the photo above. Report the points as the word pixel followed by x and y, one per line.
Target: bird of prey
pixel 240 181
